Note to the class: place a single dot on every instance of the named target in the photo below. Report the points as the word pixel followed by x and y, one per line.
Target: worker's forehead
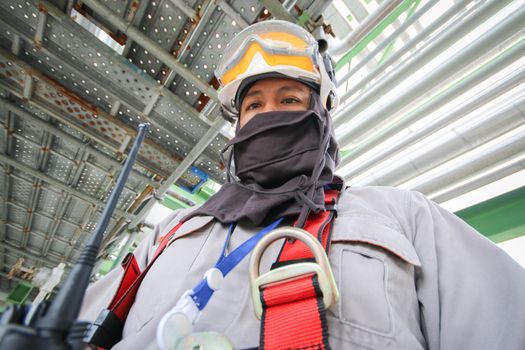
pixel 275 85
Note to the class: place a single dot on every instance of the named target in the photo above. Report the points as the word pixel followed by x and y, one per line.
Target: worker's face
pixel 274 94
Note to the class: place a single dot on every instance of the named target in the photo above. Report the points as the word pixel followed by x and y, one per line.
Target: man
pixel 409 274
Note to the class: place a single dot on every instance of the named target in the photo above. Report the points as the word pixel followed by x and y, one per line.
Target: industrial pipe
pixel 506 58
pixel 509 26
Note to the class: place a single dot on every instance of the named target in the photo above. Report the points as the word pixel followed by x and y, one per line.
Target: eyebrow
pixel 285 88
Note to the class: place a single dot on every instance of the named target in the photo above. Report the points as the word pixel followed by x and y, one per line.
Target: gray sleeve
pixel 471 293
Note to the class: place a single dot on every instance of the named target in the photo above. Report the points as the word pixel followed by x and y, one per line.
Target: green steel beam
pixel 347 57
pixel 201 196
pixel 500 218
pixel 173 203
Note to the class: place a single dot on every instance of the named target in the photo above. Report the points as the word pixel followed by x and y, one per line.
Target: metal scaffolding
pixel 75 81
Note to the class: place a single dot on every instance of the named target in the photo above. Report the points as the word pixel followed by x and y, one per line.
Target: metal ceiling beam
pixel 81 164
pixel 58 116
pixel 58 257
pixel 42 214
pixel 42 159
pixel 201 21
pixel 98 155
pixel 454 64
pixel 80 232
pixel 137 18
pixel 10 161
pixel 163 91
pixel 184 165
pixel 437 101
pixel 185 8
pixel 278 10
pixel 7 149
pixel 33 201
pixel 54 257
pixel 144 41
pixel 62 206
pixel 116 93
pixel 32 255
pixel 230 12
pixel 52 112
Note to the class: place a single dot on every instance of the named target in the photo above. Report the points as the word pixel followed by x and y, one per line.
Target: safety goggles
pixel 278 43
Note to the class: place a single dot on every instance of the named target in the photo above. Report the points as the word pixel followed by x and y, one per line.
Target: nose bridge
pixel 270 105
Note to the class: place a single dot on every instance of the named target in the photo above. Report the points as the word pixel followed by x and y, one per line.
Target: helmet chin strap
pixel 229 114
pixel 328 83
pixel 307 199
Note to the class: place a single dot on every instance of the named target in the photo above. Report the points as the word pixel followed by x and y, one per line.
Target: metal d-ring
pixel 321 267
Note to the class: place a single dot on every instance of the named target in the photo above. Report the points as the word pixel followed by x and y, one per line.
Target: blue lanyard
pixel 203 292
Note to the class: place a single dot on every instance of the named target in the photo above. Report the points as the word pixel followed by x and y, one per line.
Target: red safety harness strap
pixel 294 314
pixel 130 283
pixel 106 331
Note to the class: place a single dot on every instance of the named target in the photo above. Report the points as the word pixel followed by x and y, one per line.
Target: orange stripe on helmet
pixel 301 62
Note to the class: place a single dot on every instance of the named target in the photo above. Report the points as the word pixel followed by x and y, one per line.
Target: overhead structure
pixel 76 78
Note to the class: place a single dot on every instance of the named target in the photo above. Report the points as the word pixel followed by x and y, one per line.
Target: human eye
pixel 253 105
pixel 290 100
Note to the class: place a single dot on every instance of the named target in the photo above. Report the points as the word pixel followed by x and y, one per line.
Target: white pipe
pixel 451 34
pixel 505 29
pixel 364 28
pixel 424 34
pixel 458 141
pixel 402 28
pixel 487 70
pixel 503 151
pixel 478 180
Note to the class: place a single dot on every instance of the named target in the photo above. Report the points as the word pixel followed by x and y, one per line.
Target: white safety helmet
pixel 276 48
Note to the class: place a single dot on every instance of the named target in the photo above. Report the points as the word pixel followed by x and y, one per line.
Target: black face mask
pixel 282 161
pixel 275 148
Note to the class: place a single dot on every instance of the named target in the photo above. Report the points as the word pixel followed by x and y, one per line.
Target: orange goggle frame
pixel 276 48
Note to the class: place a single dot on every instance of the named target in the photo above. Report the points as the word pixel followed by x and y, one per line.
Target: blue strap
pixel 202 292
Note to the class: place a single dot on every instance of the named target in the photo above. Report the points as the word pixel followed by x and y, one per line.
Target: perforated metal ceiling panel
pixel 70 103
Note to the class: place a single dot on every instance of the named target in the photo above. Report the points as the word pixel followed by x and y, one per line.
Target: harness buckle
pixel 321 267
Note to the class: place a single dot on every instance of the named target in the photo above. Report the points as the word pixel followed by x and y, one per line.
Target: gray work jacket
pixel 410 275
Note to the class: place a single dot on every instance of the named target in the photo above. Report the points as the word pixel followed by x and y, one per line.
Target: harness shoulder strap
pixel 106 331
pixel 294 315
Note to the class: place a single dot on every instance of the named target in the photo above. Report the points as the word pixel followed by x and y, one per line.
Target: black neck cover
pixel 283 159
